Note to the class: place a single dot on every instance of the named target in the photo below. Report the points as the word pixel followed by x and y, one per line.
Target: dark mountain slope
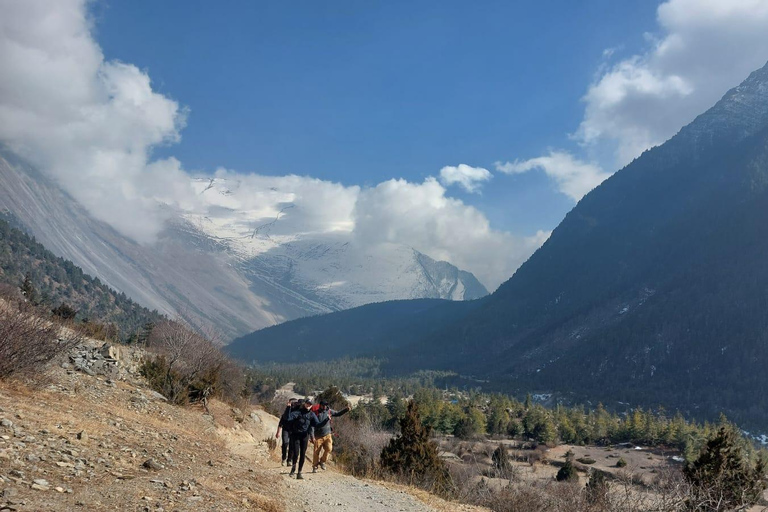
pixel 653 289
pixel 370 330
pixel 58 281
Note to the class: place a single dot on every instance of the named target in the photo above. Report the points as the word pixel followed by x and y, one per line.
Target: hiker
pixel 301 420
pixel 323 434
pixel 285 428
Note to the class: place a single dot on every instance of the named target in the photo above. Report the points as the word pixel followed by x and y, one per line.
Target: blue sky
pixel 464 130
pixel 363 92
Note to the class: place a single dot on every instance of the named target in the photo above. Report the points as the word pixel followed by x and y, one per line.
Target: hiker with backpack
pixel 283 426
pixel 323 434
pixel 301 422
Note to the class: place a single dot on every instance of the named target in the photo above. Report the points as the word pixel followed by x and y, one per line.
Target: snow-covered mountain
pixel 227 267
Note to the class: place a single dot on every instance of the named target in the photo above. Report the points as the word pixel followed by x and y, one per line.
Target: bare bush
pixel 357 447
pixel 10 293
pixel 28 341
pixel 189 365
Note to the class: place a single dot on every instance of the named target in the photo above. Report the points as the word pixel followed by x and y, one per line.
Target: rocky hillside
pixel 94 438
pixel 97 439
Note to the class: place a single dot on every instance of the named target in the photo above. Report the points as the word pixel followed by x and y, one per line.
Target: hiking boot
pixel 293 470
pixel 283 462
pixel 322 466
pixel 314 469
pixel 299 477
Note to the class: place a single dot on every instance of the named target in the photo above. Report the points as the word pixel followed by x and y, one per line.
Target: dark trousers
pixel 287 453
pixel 299 447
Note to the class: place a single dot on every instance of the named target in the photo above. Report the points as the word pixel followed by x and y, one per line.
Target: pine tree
pixel 334 397
pixel 567 473
pixel 28 289
pixel 721 475
pixel 413 454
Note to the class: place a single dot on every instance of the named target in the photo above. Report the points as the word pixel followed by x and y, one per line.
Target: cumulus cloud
pixel 418 215
pixel 422 216
pixel 304 205
pixel 87 122
pixel 574 177
pixel 702 49
pixel 91 124
pixel 467 177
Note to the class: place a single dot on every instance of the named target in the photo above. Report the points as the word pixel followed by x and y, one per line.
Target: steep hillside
pixel 370 330
pixel 58 282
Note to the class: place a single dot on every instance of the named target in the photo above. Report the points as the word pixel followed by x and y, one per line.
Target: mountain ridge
pixel 211 279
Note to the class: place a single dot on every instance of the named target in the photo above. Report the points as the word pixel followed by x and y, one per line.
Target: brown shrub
pixel 357 446
pixel 28 341
pixel 189 366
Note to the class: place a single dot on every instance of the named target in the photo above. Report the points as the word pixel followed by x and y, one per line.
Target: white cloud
pixel 418 215
pixel 422 216
pixel 87 122
pixel 305 205
pixel 91 124
pixel 704 47
pixel 469 178
pixel 574 178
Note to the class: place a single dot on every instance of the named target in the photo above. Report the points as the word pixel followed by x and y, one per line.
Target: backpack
pixel 302 423
pixel 289 425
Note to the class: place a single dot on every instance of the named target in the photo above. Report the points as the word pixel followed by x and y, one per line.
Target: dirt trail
pixel 329 488
pixel 319 491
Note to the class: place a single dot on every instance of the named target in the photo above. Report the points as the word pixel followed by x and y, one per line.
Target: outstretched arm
pixel 339 413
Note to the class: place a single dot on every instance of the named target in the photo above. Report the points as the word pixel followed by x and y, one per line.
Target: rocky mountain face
pixel 204 270
pixel 652 291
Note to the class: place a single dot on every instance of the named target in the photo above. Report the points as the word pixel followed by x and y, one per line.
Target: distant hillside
pixel 58 281
pixel 370 330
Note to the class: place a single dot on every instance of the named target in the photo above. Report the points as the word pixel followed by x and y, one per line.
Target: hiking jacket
pixel 284 422
pixel 323 427
pixel 301 422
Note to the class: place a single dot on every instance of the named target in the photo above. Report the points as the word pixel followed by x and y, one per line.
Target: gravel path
pixel 326 490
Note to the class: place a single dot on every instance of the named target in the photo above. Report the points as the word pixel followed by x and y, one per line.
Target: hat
pixel 324 403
